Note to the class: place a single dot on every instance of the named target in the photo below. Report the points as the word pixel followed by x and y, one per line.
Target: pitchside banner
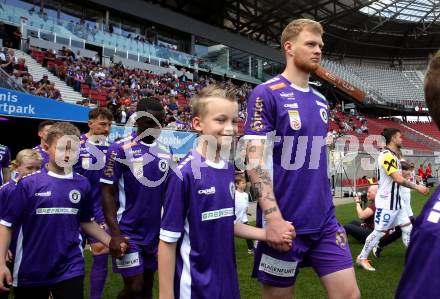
pixel 19 104
pixel 341 84
pixel 179 143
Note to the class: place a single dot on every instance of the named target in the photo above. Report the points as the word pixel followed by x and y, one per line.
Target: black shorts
pixel 72 288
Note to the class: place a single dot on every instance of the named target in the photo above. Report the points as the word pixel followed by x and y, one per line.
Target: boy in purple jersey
pixel 421 276
pixel 49 207
pixel 26 162
pixel 196 249
pixel 133 175
pixel 5 160
pixel 289 117
pixel 43 128
pixel 93 148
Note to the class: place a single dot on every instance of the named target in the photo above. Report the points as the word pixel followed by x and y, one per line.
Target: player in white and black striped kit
pixel 389 212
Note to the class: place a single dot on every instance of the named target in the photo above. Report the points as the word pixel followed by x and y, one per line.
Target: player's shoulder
pixel 32 177
pixel 320 98
pixel 124 143
pixel 3 148
pixel 270 86
pixel 184 165
pixel 9 184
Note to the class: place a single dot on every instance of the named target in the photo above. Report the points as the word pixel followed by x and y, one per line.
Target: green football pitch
pixel 380 284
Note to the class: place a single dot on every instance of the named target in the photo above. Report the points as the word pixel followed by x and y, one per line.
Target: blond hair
pixel 27 154
pixel 59 129
pixel 293 29
pixel 200 101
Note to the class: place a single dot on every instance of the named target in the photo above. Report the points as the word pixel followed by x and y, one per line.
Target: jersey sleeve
pixel 260 118
pixel 175 207
pixel 113 168
pixel 389 164
pixel 86 205
pixel 15 205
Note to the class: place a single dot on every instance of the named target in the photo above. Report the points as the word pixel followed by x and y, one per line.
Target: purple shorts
pixel 137 260
pixel 326 251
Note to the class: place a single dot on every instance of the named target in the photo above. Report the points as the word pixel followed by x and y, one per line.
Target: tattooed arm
pixel 398 178
pixel 262 185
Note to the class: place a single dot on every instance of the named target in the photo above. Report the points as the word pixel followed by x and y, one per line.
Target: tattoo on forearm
pixel 270 210
pixel 269 196
pixel 257 188
pixel 252 148
pixel 408 184
pixel 263 175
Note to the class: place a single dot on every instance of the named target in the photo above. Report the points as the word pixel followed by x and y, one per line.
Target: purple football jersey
pixel 43 154
pixel 47 209
pixel 139 170
pixel 199 216
pixel 90 164
pixel 5 191
pixel 299 119
pixel 5 160
pixel 421 275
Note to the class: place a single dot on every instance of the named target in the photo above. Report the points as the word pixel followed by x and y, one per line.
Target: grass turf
pixel 380 284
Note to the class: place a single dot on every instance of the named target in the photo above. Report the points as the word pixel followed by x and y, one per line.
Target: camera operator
pixel 360 230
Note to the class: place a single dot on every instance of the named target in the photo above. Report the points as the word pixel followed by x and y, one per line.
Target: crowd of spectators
pixel 347 121
pixel 19 76
pixel 123 87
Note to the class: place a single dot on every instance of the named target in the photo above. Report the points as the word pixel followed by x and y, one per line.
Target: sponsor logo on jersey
pixel 129 260
pixel 208 191
pixel 217 214
pixel 56 211
pixel 291 106
pixel 377 216
pixel 295 120
pixel 256 119
pixel 290 95
pixel 75 196
pixel 44 194
pixel 277 86
pixel 277 267
pixel 323 114
pixel 135 152
pixel 138 168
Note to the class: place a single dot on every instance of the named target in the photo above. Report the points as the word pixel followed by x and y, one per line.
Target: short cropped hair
pixel 28 154
pixel 405 165
pixel 100 111
pixel 293 29
pixel 44 123
pixel 432 88
pixel 60 129
pixel 200 101
pixel 388 134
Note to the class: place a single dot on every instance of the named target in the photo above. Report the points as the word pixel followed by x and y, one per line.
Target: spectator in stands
pixel 360 230
pixel 428 174
pixel 54 93
pixel 17 79
pixel 45 80
pixel 21 67
pixel 8 64
pixel 421 172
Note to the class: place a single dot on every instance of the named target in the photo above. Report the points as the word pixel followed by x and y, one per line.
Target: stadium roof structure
pixel 362 28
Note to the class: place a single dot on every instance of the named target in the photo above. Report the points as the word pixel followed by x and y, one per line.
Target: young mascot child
pixel 196 249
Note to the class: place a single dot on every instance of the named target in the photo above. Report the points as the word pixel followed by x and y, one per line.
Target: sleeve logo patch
pixel 323 114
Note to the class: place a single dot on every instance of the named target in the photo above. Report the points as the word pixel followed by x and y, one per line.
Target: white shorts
pixel 385 219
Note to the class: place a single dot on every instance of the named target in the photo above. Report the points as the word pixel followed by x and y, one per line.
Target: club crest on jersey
pixel 75 196
pixel 232 189
pixel 85 162
pixel 295 120
pixel 323 114
pixel 163 165
pixel 138 168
